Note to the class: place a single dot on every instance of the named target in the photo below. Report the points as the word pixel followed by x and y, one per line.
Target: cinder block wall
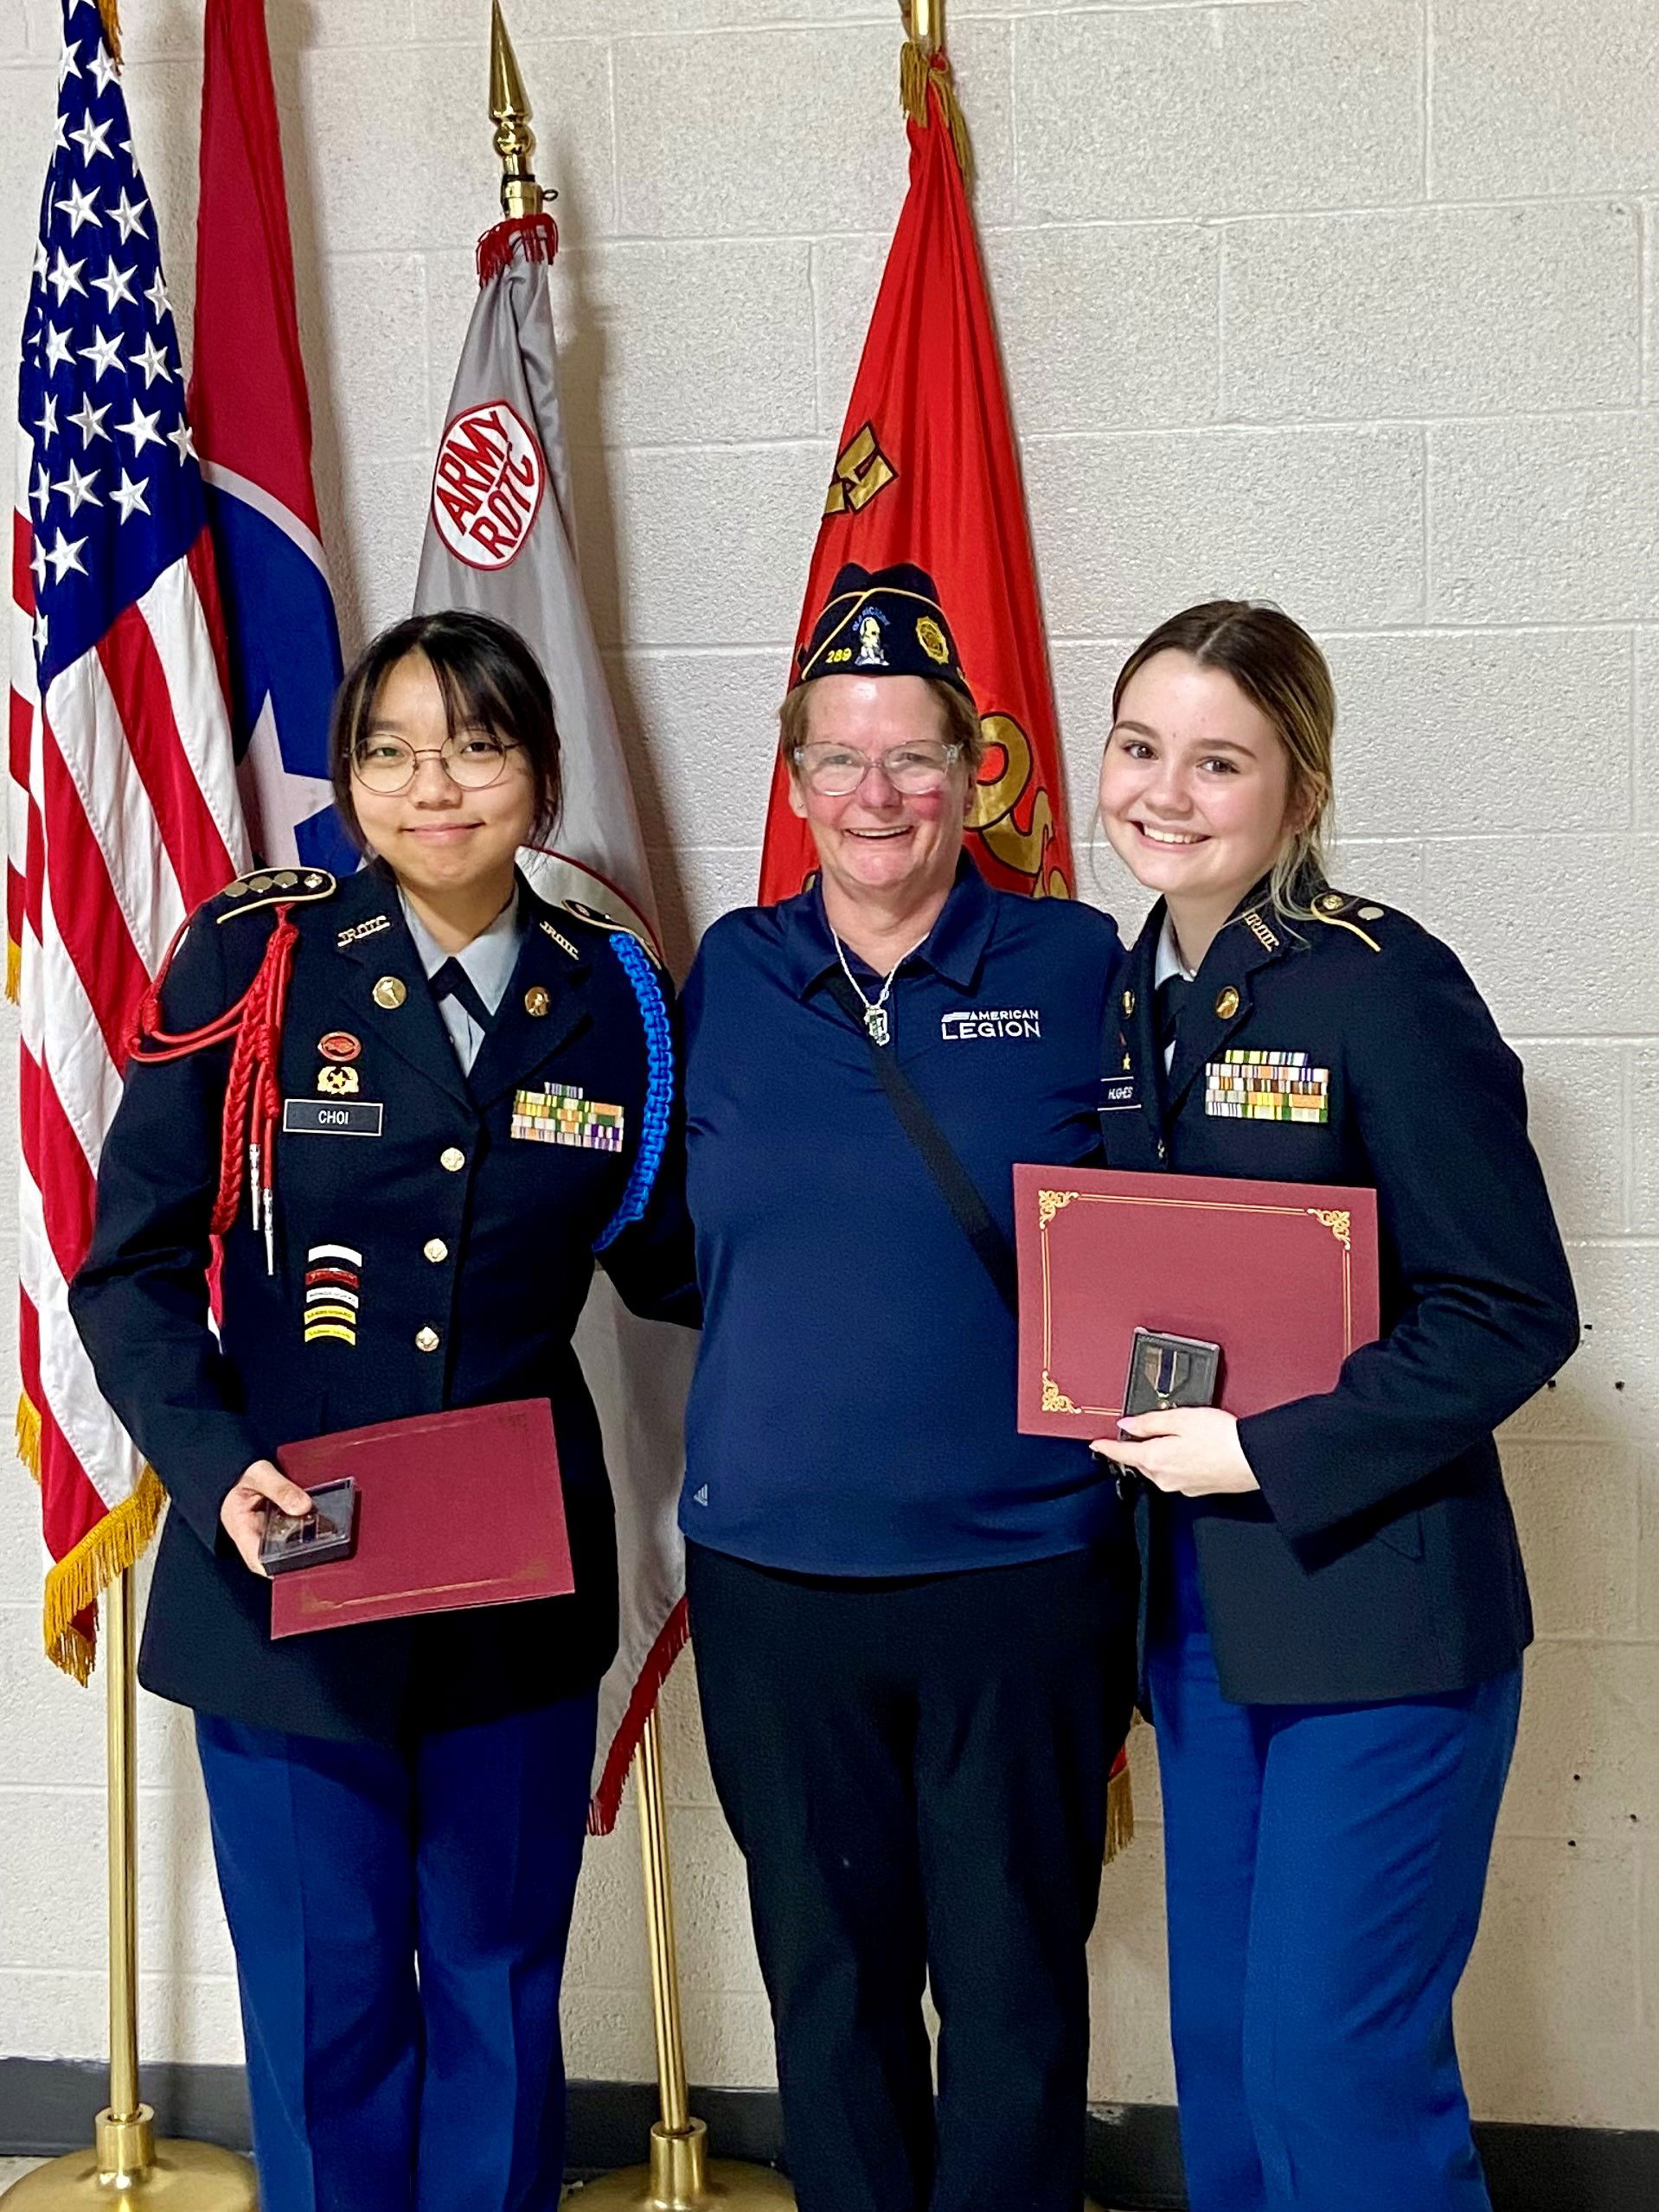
pixel 1349 302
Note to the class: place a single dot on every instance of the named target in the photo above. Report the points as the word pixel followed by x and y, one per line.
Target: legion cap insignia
pixel 883 622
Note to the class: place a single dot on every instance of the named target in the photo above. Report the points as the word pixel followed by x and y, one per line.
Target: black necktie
pixel 453 981
pixel 1170 997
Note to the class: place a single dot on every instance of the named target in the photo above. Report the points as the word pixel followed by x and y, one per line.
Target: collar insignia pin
pixel 1226 1003
pixel 535 1002
pixel 391 991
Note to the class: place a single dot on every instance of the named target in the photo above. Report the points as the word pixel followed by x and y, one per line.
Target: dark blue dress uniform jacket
pixel 467 1240
pixel 1381 1560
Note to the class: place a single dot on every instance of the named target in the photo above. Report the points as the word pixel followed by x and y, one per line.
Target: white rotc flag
pixel 499 539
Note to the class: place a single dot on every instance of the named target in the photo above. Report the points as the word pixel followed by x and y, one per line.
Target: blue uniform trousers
pixel 1323 1869
pixel 344 1864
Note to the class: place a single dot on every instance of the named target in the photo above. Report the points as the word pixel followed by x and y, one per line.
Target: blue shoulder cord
pixel 659 1086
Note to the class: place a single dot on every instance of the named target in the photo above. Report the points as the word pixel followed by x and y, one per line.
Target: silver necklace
pixel 876 1009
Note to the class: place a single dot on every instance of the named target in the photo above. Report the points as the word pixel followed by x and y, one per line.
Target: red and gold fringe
pixel 917 72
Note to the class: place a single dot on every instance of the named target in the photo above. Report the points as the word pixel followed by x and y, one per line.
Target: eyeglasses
pixel 472 758
pixel 836 771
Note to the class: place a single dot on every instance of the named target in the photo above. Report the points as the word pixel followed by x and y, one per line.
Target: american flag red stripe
pixel 123 814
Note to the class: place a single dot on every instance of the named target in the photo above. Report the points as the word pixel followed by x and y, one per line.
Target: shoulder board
pixel 592 917
pixel 1339 910
pixel 266 887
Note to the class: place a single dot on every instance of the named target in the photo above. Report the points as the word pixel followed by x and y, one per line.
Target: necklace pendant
pixel 876 1021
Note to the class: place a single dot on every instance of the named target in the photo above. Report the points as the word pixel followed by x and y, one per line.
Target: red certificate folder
pixel 1282 1276
pixel 455 1509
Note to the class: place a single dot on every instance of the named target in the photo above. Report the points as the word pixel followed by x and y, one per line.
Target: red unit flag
pixel 927 472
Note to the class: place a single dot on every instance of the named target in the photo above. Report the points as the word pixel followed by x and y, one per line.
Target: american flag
pixel 123 811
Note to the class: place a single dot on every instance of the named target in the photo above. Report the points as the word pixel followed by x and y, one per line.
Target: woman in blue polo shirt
pixel 914 1625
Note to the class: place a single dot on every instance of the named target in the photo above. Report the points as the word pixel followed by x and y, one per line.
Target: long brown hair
pixel 1281 671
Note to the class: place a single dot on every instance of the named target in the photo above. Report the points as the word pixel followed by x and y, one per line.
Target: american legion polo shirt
pixel 852 1409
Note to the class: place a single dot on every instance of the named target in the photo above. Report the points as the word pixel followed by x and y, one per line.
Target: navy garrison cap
pixel 886 621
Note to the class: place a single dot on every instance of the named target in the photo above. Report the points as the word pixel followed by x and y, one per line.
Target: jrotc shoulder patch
pixel 1244 1086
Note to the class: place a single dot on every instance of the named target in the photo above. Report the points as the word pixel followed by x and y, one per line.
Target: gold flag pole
pixel 681 2176
pixel 127 2165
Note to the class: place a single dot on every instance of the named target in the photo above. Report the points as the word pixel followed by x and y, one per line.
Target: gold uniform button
pixel 1129 1001
pixel 1370 913
pixel 1332 903
pixel 391 991
pixel 435 1249
pixel 535 1002
pixel 1226 1003
pixel 453 1158
pixel 425 1340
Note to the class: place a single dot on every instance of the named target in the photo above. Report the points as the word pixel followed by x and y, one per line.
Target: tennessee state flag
pixel 927 472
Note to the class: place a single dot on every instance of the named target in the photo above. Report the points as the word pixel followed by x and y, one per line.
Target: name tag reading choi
pixel 327 1117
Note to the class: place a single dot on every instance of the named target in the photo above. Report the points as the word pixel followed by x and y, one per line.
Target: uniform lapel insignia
pixel 541 1010
pixel 378 951
pixel 1222 1001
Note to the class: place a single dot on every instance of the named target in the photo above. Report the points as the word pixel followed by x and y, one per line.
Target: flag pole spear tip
pixel 509 111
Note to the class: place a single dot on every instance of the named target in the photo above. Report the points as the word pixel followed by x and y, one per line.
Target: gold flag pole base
pixel 130 2167
pixel 126 2164
pixel 682 2178
pixel 680 2175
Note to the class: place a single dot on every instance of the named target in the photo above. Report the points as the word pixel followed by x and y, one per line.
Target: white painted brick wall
pixel 1351 303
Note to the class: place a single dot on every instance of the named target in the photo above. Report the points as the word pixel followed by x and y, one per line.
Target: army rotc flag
pixel 927 472
pixel 124 804
pixel 499 539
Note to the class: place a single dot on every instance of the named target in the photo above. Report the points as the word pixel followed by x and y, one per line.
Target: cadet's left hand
pixel 1193 1450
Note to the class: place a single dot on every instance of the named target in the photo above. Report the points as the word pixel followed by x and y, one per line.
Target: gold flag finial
pixel 509 110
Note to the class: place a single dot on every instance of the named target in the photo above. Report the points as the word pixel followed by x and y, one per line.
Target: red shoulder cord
pixel 253 1029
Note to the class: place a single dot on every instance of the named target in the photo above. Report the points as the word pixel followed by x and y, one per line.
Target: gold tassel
pixel 28 1434
pixel 109 15
pixel 118 1542
pixel 916 74
pixel 1120 1814
pixel 14 970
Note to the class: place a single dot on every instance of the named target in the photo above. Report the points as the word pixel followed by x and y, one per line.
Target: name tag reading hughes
pixel 327 1117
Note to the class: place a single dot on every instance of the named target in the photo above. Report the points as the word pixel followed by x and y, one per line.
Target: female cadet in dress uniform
pixel 1337 1609
pixel 913 1626
pixel 411 1794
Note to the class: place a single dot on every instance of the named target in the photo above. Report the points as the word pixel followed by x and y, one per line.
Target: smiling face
pixel 1194 785
pixel 877 844
pixel 437 838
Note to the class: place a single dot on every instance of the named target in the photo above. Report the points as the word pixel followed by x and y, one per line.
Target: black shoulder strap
pixel 957 1186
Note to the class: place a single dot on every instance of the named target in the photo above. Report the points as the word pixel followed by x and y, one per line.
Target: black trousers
pixel 915 1771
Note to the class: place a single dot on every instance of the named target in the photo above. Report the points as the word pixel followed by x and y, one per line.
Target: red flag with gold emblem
pixel 927 472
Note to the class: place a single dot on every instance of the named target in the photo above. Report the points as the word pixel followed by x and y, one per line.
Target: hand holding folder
pixel 455 1509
